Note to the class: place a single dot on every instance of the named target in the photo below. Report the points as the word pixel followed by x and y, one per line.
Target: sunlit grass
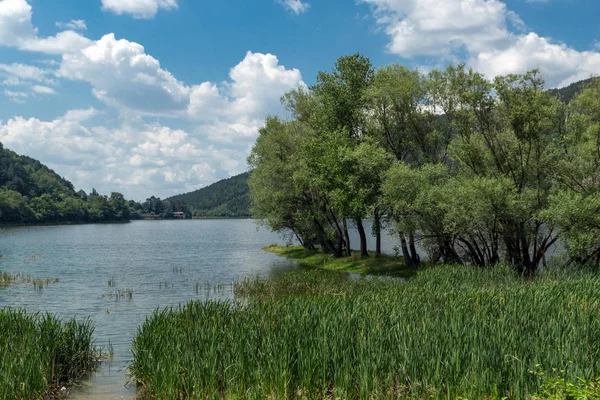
pixel 39 353
pixel 382 265
pixel 448 332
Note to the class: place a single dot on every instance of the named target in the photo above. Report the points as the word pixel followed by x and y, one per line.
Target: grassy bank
pixel 39 353
pixel 449 332
pixel 382 265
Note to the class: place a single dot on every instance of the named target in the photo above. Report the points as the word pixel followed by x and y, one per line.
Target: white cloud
pixel 81 115
pixel 516 21
pixel 16 97
pixel 25 72
pixel 296 6
pixel 122 74
pixel 74 24
pixel 15 22
pixel 560 64
pixel 137 160
pixel 63 42
pixel 216 122
pixel 258 82
pixel 477 31
pixel 439 28
pixel 16 30
pixel 42 89
pixel 138 8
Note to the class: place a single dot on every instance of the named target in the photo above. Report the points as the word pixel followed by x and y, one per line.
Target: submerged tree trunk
pixel 363 238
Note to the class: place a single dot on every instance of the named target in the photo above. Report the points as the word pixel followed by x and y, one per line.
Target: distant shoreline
pixel 112 222
pixel 62 223
pixel 222 218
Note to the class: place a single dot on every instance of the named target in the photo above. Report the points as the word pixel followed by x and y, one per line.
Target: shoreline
pixel 384 265
pixel 63 224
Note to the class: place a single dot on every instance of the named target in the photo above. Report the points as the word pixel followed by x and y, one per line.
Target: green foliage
pixel 575 204
pixel 556 387
pixel 40 353
pixel 226 198
pixel 480 171
pixel 32 193
pixel 568 93
pixel 449 332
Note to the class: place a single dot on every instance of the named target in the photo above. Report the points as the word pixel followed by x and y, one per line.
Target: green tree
pixel 575 205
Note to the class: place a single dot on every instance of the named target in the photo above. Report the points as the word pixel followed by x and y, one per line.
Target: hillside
pixel 567 93
pixel 225 198
pixel 30 192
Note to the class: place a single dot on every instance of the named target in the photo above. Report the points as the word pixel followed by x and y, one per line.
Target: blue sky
pixel 159 97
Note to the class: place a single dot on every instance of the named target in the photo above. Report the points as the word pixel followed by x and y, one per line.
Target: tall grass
pixel 449 332
pixel 38 353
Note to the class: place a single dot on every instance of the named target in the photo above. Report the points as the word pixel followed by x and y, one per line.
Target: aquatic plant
pixel 449 332
pixel 7 279
pixel 39 353
pixel 120 294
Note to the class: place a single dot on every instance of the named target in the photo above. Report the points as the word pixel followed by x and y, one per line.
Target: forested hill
pixel 567 93
pixel 225 198
pixel 30 192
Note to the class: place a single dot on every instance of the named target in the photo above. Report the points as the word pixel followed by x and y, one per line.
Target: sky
pixel 161 97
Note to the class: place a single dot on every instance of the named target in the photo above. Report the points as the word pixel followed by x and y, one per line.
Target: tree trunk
pixel 408 261
pixel 377 229
pixel 347 239
pixel 416 259
pixel 363 238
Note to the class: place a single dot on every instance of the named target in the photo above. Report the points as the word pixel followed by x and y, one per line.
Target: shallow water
pixel 166 263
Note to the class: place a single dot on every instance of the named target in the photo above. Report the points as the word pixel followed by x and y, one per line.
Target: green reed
pixel 39 353
pixel 449 332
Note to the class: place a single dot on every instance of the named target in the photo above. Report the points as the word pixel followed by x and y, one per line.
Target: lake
pixel 166 263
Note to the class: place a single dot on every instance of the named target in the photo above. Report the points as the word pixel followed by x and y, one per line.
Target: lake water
pixel 162 261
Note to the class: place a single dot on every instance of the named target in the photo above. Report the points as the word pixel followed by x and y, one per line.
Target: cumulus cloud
pixel 296 6
pixel 560 64
pixel 478 31
pixel 438 28
pixel 121 73
pixel 216 122
pixel 74 24
pixel 258 82
pixel 138 160
pixel 138 8
pixel 16 30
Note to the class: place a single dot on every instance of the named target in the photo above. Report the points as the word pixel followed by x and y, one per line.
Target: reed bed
pixel 7 279
pixel 449 332
pixel 39 353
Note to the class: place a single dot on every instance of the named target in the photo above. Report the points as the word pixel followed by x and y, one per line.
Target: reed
pixel 40 353
pixel 7 279
pixel 449 332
